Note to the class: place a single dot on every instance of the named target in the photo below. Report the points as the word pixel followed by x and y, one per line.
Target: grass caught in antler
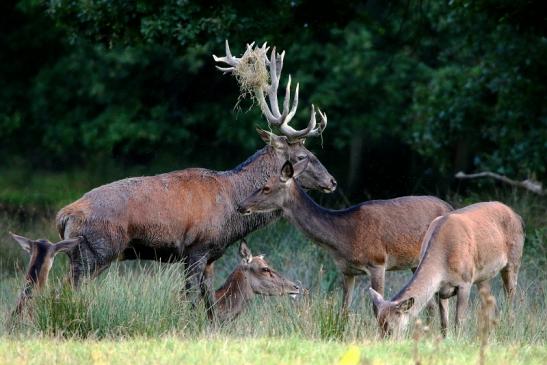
pixel 252 74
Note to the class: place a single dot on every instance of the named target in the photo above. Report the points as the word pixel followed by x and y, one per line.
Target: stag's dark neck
pixel 243 180
pixel 326 226
pixel 253 173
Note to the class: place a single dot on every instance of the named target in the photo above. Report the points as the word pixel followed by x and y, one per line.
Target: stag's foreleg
pixel 198 281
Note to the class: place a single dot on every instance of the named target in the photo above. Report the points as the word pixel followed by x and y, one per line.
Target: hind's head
pixel 42 253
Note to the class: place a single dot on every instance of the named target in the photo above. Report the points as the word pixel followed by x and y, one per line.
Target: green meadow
pixel 134 312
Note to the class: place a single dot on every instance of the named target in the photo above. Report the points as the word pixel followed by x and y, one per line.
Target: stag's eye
pixel 266 190
pixel 266 269
pixel 301 157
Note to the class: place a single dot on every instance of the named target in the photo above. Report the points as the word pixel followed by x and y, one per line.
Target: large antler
pixel 271 111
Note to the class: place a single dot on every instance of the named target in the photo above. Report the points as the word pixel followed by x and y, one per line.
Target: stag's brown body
pixel 465 247
pixel 368 238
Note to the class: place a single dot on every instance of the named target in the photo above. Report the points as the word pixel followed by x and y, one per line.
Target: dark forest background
pixel 414 90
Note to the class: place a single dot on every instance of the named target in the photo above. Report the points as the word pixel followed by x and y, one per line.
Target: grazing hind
pixel 368 238
pixel 42 253
pixel 464 247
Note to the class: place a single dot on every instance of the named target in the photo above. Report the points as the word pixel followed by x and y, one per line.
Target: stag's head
pixel 262 278
pixel 392 316
pixel 42 253
pixel 253 71
pixel 276 193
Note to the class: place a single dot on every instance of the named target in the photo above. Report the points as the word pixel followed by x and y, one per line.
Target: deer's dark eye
pixel 266 190
pixel 301 157
pixel 266 269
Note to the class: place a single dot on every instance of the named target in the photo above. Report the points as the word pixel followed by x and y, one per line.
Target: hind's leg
pixel 509 275
pixel 443 312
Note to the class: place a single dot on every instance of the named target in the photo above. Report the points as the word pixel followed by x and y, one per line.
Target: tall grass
pixel 143 299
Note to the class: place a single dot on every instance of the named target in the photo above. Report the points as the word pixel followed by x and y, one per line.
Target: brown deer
pixel 464 247
pixel 189 215
pixel 252 276
pixel 42 253
pixel 368 238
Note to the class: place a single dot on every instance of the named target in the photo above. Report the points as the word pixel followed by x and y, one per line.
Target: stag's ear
pixel 300 166
pixel 25 243
pixel 377 298
pixel 67 245
pixel 287 171
pixel 277 142
pixel 245 252
pixel 405 305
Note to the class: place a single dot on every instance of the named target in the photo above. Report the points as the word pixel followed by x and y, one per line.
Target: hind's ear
pixel 405 305
pixel 245 252
pixel 67 245
pixel 25 243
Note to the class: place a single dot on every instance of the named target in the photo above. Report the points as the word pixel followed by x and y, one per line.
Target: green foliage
pixel 455 86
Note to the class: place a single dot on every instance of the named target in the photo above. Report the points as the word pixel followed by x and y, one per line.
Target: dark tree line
pixel 414 90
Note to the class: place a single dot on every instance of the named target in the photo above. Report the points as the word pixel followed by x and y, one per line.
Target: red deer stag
pixel 252 276
pixel 368 238
pixel 189 215
pixel 464 247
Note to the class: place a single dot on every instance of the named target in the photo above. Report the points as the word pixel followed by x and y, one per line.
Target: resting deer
pixel 368 238
pixel 189 215
pixel 252 276
pixel 464 247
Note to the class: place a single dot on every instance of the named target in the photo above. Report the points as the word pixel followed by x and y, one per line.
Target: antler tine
pixel 314 132
pixel 271 110
pixel 293 134
pixel 229 59
pixel 272 89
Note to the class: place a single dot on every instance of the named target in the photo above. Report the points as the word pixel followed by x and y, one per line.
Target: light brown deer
pixel 252 276
pixel 465 247
pixel 189 215
pixel 42 253
pixel 368 238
